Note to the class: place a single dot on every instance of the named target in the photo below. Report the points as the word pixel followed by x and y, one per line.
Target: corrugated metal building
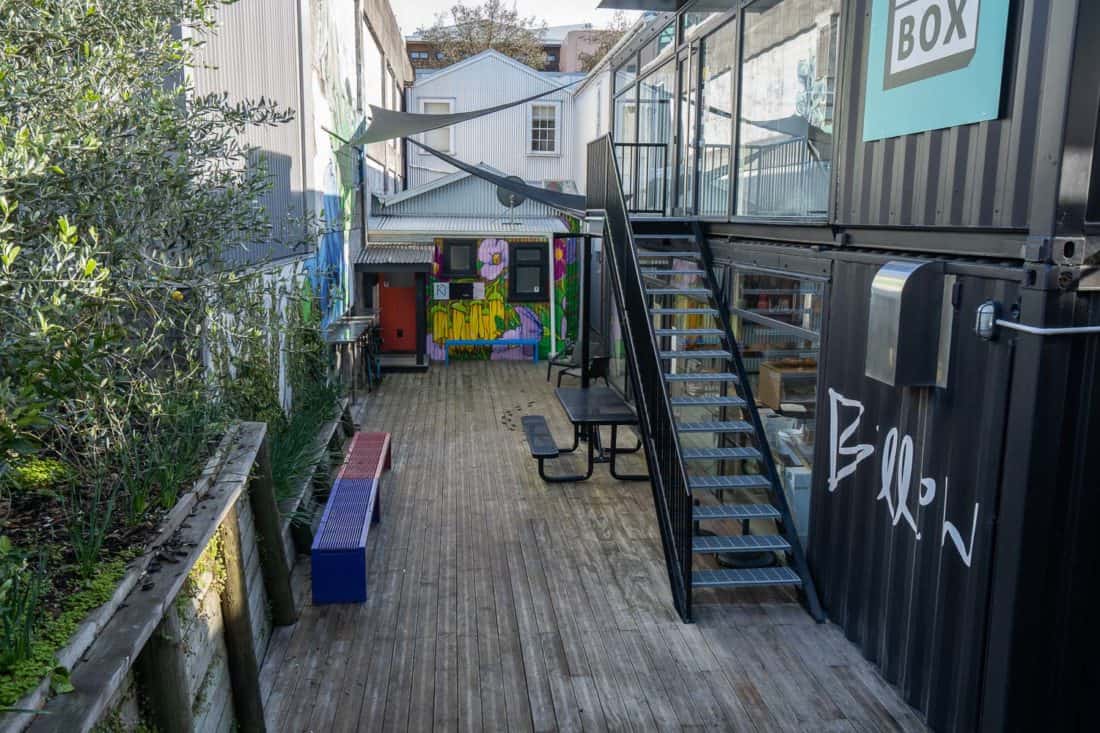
pixel 948 525
pixel 502 140
pixel 499 268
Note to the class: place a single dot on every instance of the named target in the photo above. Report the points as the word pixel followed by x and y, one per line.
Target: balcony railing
pixel 645 175
pixel 782 178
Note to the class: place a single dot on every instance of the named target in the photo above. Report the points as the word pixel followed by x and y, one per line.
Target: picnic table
pixel 588 409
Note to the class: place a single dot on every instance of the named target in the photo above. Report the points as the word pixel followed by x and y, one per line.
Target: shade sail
pixel 568 202
pixel 388 124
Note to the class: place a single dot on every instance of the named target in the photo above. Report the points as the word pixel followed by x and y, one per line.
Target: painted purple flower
pixel 434 351
pixel 530 326
pixel 492 254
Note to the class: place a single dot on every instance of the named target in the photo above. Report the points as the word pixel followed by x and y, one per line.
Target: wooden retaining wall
pixel 179 646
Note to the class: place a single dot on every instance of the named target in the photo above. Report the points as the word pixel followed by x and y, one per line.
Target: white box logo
pixel 929 37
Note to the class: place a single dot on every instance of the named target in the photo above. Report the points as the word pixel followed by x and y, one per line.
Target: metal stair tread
pixel 707 401
pixel 678 291
pixel 696 354
pixel 740 481
pixel 688 332
pixel 745 577
pixel 703 512
pixel 740 543
pixel 683 311
pixel 738 453
pixel 715 426
pixel 656 271
pixel 701 377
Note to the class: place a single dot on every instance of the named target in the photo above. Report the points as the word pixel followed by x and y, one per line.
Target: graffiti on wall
pixel 490 315
pixel 896 474
pixel 334 80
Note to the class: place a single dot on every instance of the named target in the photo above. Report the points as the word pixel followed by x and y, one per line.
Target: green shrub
pixel 39 475
pixel 21 585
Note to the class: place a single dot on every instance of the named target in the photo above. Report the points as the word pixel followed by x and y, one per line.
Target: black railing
pixel 644 171
pixel 671 494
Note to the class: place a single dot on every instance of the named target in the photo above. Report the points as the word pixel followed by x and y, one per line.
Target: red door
pixel 397 300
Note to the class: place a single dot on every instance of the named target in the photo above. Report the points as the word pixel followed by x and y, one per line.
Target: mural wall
pixel 334 83
pixel 489 315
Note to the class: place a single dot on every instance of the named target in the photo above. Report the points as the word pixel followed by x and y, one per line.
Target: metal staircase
pixel 724 517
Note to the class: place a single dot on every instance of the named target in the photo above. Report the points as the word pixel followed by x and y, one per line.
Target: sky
pixel 411 14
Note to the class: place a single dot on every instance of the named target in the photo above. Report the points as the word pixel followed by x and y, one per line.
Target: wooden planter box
pixel 195 652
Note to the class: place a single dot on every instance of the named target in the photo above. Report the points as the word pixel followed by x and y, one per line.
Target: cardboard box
pixel 786 382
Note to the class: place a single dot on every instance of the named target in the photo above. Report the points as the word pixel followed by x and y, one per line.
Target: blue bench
pixel 339 553
pixel 532 342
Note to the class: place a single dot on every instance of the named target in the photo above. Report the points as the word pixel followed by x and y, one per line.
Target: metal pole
pixel 586 289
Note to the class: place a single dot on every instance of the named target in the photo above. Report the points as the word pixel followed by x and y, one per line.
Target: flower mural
pixel 492 257
pixel 493 316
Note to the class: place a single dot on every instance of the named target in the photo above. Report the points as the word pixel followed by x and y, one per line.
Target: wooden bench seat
pixel 339 552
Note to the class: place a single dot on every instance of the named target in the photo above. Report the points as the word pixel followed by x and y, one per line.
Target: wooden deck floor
pixel 499 602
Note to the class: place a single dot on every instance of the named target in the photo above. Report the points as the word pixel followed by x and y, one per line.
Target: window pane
pixel 655 117
pixel 688 21
pixel 544 128
pixel 788 73
pixel 715 120
pixel 625 74
pixel 439 139
pixel 777 321
pixel 529 254
pixel 626 115
pixel 664 40
pixel 528 280
pixel 460 257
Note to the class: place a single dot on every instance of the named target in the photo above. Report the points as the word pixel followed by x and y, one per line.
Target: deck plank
pixel 499 602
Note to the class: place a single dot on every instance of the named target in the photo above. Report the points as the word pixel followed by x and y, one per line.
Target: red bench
pixel 339 552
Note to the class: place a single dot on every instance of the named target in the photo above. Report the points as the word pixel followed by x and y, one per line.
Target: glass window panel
pixel 439 139
pixel 665 41
pixel 777 322
pixel 715 120
pixel 690 21
pixel 626 74
pixel 626 117
pixel 788 75
pixel 527 279
pixel 544 123
pixel 655 120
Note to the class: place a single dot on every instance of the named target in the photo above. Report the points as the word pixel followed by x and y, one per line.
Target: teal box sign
pixel 933 64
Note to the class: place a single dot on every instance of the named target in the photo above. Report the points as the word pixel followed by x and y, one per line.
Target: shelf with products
pixel 777 320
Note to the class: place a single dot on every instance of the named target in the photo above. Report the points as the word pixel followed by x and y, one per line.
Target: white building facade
pixel 535 141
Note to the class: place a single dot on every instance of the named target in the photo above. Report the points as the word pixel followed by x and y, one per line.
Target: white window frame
pixel 556 153
pixel 450 102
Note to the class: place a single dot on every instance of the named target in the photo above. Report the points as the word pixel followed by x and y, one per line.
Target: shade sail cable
pixel 568 202
pixel 388 124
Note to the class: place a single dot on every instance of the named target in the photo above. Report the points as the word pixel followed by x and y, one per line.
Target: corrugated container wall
pixel 499 139
pixel 255 53
pixel 904 506
pixel 977 175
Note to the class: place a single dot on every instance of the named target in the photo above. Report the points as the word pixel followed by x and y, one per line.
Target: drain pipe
pixel 988 319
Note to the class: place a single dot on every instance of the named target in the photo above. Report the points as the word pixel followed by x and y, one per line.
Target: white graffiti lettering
pixel 895 473
pixel 838 442
pixel 950 530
